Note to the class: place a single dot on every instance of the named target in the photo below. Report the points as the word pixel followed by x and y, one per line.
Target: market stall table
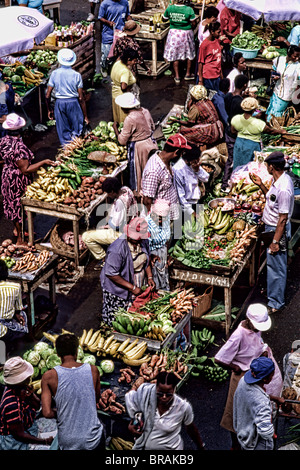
pixel 30 281
pixel 225 281
pixel 157 66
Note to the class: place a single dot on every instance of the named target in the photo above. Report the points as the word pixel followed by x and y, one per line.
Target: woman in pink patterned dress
pixel 17 171
pixel 180 44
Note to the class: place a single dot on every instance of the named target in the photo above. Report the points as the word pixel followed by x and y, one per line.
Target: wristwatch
pixel 275 242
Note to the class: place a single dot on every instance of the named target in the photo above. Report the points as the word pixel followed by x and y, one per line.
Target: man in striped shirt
pixel 13 321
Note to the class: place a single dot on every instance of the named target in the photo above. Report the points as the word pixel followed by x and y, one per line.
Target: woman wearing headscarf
pixel 126 266
pixel 17 171
pixel 18 408
pixel 123 80
pixel 203 126
pixel 180 44
pixel 244 345
pixel 136 134
pixel 249 130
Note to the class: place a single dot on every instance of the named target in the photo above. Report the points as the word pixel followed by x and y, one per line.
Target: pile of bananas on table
pixel 21 77
pixel 49 186
pixel 264 32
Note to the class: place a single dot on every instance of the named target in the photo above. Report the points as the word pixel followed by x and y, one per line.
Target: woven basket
pixel 287 119
pixel 202 303
pixel 57 242
pixel 290 138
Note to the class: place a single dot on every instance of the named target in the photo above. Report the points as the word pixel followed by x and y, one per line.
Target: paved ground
pixel 80 308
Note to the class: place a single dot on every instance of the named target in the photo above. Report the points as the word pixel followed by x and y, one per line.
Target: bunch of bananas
pixel 32 77
pixel 264 32
pixel 200 339
pixel 49 186
pixel 131 353
pixel 218 221
pixel 215 373
pixel 117 443
pixel 156 332
pixel 193 232
pixel 131 323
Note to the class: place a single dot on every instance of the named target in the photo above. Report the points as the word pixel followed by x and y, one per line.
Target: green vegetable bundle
pixel 247 40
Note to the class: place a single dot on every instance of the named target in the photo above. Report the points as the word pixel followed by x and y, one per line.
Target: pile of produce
pixel 42 357
pixel 201 340
pixel 108 402
pixel 270 52
pixel 30 262
pixel 89 190
pixel 41 59
pixel 167 360
pixel 218 313
pixel 247 40
pixel 49 186
pixel 21 77
pixel 266 33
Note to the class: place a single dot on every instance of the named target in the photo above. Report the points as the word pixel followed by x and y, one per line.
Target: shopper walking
pixel 244 345
pixel 210 59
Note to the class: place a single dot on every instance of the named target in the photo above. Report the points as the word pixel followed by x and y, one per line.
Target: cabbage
pixel 89 358
pixel 42 364
pixel 46 353
pixel 52 361
pixel 107 366
pixel 2 378
pixel 25 355
pixel 36 372
pixel 80 353
pixel 43 370
pixel 41 346
pixel 33 357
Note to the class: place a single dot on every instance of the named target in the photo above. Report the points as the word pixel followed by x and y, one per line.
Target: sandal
pixel 177 81
pixel 189 77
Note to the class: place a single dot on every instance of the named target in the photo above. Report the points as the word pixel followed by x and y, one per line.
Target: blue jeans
pixel 69 119
pixel 277 273
pixel 211 83
pixel 105 48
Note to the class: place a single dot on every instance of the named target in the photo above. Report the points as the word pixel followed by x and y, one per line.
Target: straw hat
pixel 249 104
pixel 16 370
pixel 131 28
pixel 66 57
pixel 137 229
pixel 13 122
pixel 127 100
pixel 199 92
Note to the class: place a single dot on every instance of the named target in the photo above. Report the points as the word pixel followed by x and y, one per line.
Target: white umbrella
pixel 271 10
pixel 20 27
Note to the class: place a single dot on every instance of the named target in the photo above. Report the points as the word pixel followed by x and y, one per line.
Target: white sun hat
pixel 66 57
pixel 127 100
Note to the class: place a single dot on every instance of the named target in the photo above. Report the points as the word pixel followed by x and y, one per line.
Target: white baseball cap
pixel 258 315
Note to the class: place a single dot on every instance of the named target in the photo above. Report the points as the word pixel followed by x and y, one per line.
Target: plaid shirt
pixel 158 183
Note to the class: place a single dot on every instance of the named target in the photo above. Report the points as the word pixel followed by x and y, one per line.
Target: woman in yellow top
pixel 122 80
pixel 249 130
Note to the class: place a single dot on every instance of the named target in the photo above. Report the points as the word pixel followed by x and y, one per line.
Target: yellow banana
pixel 123 345
pixel 130 346
pixel 93 338
pixel 137 362
pixel 88 336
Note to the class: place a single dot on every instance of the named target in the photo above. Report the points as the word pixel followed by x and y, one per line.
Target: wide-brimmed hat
pixel 258 315
pixel 13 122
pixel 198 92
pixel 137 229
pixel 249 104
pixel 66 57
pixel 260 368
pixel 127 100
pixel 16 370
pixel 161 207
pixel 131 28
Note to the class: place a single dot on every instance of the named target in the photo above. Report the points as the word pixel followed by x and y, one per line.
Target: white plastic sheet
pixel 275 10
pixel 20 27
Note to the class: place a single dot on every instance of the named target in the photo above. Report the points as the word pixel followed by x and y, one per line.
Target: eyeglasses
pixel 161 394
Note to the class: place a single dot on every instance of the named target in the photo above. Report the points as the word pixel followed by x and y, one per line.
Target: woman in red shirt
pixel 210 59
pixel 230 21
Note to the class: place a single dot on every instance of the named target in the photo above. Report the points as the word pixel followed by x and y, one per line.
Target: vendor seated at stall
pixel 123 209
pixel 160 233
pixel 127 263
pixel 203 126
pixel 189 180
pixel 13 320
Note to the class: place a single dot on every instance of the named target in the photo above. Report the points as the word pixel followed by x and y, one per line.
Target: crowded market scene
pixel 167 131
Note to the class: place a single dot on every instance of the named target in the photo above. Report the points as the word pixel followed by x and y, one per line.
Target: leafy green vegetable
pixel 247 40
pixel 89 359
pixel 33 357
pixel 107 366
pixel 52 361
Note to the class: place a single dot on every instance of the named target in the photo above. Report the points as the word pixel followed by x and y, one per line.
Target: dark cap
pixel 259 369
pixel 275 157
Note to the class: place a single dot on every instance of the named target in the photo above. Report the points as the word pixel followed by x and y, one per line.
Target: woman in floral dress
pixel 17 171
pixel 180 44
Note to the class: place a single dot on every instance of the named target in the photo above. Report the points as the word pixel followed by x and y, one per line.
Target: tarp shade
pixel 272 10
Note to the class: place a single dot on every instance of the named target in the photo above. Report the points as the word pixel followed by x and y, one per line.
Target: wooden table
pixel 61 211
pixel 157 66
pixel 31 281
pixel 219 280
